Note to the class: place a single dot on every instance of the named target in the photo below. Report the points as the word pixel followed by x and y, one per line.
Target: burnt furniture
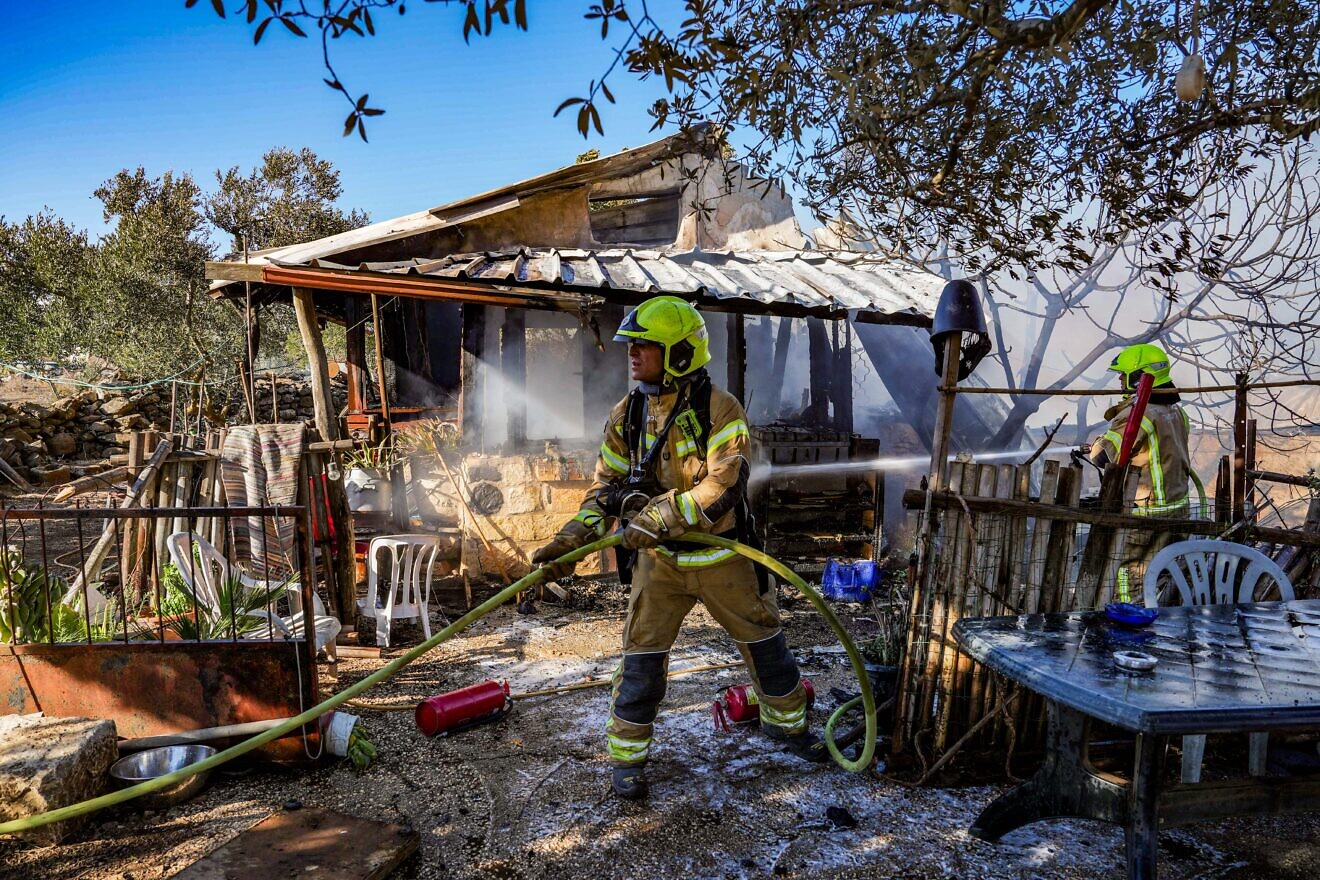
pixel 1221 669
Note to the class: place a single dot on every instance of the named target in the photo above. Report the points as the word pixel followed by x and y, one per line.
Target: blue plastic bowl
pixel 1127 614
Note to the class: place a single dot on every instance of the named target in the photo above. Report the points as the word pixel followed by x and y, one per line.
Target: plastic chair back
pixel 1214 573
pixel 204 575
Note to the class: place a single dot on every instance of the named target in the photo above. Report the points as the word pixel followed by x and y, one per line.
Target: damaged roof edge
pixel 483 204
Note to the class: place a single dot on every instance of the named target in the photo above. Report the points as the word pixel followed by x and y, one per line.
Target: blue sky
pixel 88 88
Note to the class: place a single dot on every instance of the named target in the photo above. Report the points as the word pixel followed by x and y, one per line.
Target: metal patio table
pixel 1221 669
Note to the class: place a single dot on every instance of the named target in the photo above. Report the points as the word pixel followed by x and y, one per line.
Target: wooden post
pixel 737 385
pixel 841 389
pixel 1240 416
pixel 778 368
pixel 820 361
pixel 513 365
pixel 939 448
pixel 470 409
pixel 275 398
pixel 327 422
pixel 604 372
pixel 174 397
pixel 1249 482
pixel 1224 491
pixel 916 675
pixel 355 337
pixel 380 365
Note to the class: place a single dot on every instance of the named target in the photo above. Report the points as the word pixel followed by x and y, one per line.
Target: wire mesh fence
pixel 85 575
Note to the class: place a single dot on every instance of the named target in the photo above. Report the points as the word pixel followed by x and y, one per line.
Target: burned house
pixel 495 314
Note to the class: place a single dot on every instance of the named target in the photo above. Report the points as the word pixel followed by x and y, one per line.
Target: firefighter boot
pixel 629 783
pixel 805 745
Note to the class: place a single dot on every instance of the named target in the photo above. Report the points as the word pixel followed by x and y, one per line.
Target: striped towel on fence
pixel 260 466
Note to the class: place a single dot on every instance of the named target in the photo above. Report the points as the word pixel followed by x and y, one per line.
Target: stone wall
pixel 75 435
pixel 517 501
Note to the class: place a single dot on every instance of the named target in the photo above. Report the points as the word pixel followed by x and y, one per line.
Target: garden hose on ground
pixel 867 699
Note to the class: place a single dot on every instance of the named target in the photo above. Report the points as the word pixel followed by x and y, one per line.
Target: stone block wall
pixel 517 501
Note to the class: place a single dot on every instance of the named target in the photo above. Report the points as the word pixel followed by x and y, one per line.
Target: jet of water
pixel 889 463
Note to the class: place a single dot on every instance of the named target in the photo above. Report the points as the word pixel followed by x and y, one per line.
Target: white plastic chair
pixel 407 595
pixel 205 577
pixel 1214 573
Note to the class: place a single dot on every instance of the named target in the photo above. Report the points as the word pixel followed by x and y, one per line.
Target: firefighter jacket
pixel 1161 453
pixel 709 488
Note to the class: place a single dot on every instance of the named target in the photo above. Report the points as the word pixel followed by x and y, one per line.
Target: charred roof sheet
pixel 810 281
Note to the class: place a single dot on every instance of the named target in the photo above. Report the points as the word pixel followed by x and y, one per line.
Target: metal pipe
pixel 201 735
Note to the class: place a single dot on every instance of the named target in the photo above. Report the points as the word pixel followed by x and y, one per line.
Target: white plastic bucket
pixel 337 732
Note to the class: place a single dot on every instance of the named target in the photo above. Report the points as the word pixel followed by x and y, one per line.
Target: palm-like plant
pixel 242 611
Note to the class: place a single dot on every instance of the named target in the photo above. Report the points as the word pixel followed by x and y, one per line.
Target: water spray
pixel 887 463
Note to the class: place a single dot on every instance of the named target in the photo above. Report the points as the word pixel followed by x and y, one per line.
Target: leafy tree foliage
pixel 138 298
pixel 148 278
pixel 1024 134
pixel 290 197
pixel 43 263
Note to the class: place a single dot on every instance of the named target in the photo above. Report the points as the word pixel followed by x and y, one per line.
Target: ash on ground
pixel 528 797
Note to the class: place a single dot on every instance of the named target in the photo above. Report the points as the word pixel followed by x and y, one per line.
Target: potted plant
pixel 367 477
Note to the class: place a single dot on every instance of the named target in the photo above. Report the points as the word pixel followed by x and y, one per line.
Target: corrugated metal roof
pixel 814 280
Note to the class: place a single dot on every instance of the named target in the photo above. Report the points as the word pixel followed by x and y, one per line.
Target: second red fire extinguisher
pixel 738 704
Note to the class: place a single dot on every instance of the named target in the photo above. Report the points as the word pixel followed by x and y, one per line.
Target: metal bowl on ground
pixel 155 763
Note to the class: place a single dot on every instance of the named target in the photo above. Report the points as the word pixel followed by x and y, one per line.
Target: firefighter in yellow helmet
pixel 1160 454
pixel 674 459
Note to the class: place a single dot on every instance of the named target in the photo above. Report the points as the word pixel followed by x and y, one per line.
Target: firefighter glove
pixel 661 520
pixel 576 533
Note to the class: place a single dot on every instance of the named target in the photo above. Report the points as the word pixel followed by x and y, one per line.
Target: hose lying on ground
pixel 867 699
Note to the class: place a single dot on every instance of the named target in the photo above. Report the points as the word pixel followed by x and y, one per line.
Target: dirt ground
pixel 527 797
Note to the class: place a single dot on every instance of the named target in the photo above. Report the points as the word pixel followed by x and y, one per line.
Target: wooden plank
pixel 1070 496
pixel 914 498
pixel 102 480
pixel 97 555
pixel 223 270
pixel 1018 556
pixel 1040 538
pixel 952 599
pixel 290 843
pixel 980 587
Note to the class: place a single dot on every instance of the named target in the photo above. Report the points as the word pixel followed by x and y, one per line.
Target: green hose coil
pixel 867 699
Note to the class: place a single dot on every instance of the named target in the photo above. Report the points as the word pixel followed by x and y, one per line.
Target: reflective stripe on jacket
pixel 1161 454
pixel 709 489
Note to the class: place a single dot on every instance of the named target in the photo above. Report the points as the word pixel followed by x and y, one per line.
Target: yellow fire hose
pixel 867 699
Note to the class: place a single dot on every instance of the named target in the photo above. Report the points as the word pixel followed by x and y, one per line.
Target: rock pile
pixel 75 435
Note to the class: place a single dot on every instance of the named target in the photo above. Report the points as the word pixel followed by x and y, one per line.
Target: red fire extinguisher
pixel 738 704
pixel 461 709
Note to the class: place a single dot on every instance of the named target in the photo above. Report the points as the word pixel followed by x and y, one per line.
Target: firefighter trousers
pixel 1139 548
pixel 662 595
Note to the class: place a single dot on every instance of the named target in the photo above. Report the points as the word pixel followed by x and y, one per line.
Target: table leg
pixel 1143 809
pixel 1065 785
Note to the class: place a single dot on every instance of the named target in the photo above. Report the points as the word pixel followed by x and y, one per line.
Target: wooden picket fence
pixel 1010 540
